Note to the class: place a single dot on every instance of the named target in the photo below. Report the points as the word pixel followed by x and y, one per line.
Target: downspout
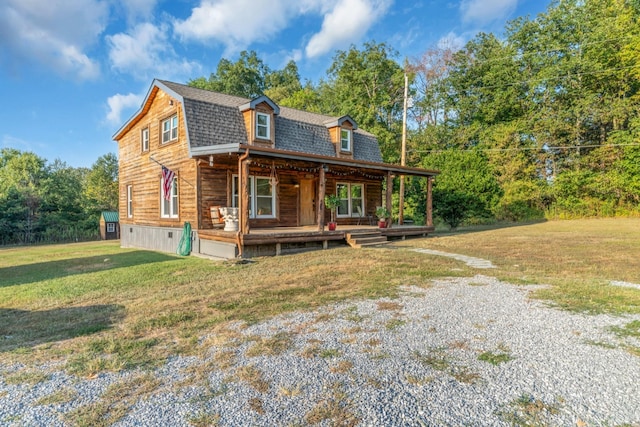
pixel 239 240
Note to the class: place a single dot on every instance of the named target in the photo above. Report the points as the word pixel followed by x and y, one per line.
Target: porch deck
pixel 275 235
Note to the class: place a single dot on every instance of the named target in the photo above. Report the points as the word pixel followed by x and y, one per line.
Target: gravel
pixel 410 361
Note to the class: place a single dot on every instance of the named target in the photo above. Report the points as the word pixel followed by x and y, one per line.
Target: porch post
pixel 243 199
pixel 430 201
pixel 320 203
pixel 388 200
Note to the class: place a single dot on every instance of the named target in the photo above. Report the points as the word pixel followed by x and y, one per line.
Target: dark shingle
pixel 214 118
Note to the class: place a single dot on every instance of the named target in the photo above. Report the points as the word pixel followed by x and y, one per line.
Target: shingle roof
pixel 214 118
pixel 110 216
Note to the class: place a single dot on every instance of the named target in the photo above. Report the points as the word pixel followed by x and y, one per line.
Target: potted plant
pixel 332 201
pixel 382 213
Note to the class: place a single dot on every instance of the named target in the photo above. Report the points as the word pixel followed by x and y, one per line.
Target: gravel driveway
pixel 466 351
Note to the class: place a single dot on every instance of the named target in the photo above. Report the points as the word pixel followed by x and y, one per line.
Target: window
pixel 262 200
pixel 350 196
pixel 170 129
pixel 145 139
pixel 262 126
pixel 111 227
pixel 129 201
pixel 345 140
pixel 170 207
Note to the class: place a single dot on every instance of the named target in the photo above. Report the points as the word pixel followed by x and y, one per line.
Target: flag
pixel 167 182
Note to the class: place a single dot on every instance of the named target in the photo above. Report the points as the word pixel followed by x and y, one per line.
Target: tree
pixel 101 189
pixel 368 85
pixel 246 77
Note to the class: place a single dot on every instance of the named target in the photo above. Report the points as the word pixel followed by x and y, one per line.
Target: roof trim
pixel 146 104
pixel 251 105
pixel 340 120
pixel 293 155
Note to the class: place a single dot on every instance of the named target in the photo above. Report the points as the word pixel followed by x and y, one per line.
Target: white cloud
pixel 138 8
pixel 346 23
pixel 119 103
pixel 145 53
pixel 451 41
pixel 237 23
pixel 482 12
pixel 53 33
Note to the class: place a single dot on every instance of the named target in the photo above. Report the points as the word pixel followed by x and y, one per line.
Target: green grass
pixel 495 358
pixel 98 307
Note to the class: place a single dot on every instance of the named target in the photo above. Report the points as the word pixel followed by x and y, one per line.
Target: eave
pixel 294 155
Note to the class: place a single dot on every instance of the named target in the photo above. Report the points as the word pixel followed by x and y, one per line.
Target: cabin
pixel 109 225
pixel 250 177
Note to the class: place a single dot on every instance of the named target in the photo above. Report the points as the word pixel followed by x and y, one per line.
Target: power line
pixel 546 148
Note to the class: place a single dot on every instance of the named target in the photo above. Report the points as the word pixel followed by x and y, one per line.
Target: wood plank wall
pixel 144 175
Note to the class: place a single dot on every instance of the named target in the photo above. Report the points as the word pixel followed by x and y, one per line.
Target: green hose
pixel 184 247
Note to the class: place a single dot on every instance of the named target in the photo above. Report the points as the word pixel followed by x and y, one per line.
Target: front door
pixel 307 202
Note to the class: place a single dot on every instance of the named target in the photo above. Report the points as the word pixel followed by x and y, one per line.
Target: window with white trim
pixel 262 196
pixel 169 207
pixel 263 128
pixel 145 139
pixel 111 227
pixel 170 129
pixel 345 140
pixel 129 201
pixel 351 197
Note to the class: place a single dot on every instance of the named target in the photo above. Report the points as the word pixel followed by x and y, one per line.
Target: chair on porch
pixel 361 215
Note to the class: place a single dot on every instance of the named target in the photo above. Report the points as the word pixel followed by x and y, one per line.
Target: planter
pixel 382 223
pixel 230 216
pixel 332 226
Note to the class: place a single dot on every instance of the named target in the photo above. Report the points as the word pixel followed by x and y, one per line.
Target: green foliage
pixel 43 203
pixel 452 206
pixel 544 120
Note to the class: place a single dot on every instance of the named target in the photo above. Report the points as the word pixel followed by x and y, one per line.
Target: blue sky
pixel 73 71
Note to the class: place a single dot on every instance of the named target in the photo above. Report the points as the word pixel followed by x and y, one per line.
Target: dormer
pixel 341 133
pixel 259 120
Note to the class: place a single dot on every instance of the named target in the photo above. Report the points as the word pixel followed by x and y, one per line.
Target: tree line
pixel 43 202
pixel 543 121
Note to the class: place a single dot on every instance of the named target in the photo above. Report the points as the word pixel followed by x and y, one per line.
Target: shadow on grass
pixel 36 272
pixel 484 227
pixel 24 328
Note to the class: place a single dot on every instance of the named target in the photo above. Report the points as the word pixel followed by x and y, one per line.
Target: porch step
pixel 366 238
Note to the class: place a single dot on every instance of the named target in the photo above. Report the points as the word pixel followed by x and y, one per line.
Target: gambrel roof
pixel 215 120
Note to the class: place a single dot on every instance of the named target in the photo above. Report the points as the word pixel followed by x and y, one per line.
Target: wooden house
pixel 274 164
pixel 109 225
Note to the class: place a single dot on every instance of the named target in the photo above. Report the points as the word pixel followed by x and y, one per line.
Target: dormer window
pixel 259 116
pixel 345 140
pixel 263 128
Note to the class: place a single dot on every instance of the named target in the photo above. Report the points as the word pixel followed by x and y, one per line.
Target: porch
pixel 282 240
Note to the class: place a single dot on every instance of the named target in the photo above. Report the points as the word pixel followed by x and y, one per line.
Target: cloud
pixel 54 34
pixel 138 8
pixel 482 12
pixel 451 41
pixel 118 103
pixel 346 23
pixel 145 52
pixel 237 23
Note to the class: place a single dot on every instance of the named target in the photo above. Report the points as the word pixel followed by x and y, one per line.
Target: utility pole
pixel 403 154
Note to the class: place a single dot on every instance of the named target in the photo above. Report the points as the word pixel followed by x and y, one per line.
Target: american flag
pixel 167 182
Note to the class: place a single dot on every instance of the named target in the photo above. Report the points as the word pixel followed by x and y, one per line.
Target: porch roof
pixel 329 160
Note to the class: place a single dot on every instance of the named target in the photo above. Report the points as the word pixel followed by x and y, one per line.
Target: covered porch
pixel 290 213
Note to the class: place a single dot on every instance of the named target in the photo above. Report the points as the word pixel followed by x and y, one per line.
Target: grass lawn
pixel 96 307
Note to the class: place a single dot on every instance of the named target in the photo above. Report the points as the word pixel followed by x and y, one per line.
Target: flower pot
pixel 331 226
pixel 230 216
pixel 382 223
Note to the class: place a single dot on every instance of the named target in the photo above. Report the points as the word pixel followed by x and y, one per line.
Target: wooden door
pixel 307 202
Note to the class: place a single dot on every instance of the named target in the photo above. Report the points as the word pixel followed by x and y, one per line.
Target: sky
pixel 72 72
